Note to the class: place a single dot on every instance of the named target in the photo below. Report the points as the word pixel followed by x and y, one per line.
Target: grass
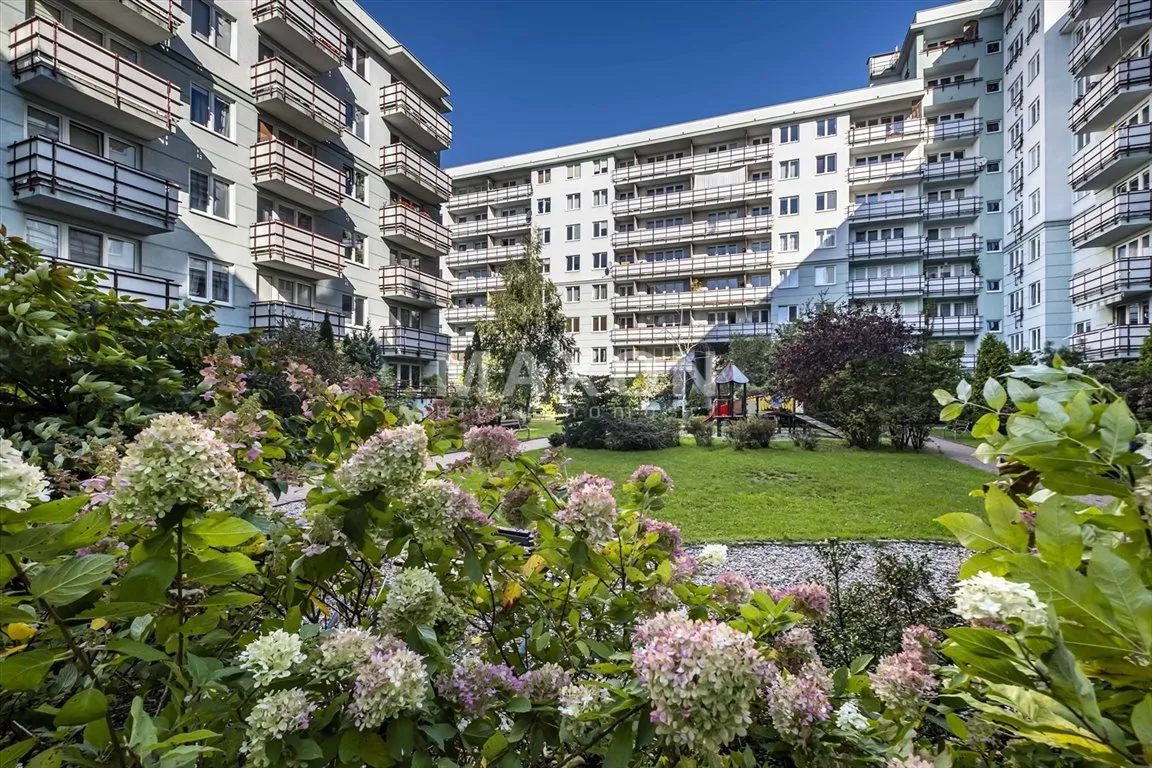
pixel 784 493
pixel 963 438
pixel 540 426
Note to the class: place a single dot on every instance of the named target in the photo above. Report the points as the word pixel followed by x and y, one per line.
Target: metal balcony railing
pixel 296 97
pixel 897 130
pixel 149 21
pixel 421 343
pixel 272 315
pixel 154 292
pixel 700 230
pixel 1115 277
pixel 698 299
pixel 468 314
pixel 469 286
pixel 295 249
pixel 746 191
pixel 698 264
pixel 950 130
pixel 407 168
pixel 493 224
pixel 886 286
pixel 1121 13
pixel 951 169
pixel 1118 214
pixel 965 285
pixel 404 107
pixel 490 196
pixel 414 229
pixel 1124 85
pixel 405 283
pixel 894 170
pixel 688 333
pixel 1112 342
pixel 898 208
pixel 882 249
pixel 1128 142
pixel 708 161
pixel 882 64
pixel 960 208
pixel 952 247
pixel 296 174
pixel 299 26
pixel 475 257
pixel 962 325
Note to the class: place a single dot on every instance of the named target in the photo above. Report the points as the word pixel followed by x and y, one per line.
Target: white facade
pixel 951 201
pixel 277 157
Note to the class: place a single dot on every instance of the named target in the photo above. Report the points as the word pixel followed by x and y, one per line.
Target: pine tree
pixel 992 359
pixel 327 337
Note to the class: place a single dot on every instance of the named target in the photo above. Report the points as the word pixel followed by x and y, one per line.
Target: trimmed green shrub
pixel 642 434
pixel 753 432
pixel 701 430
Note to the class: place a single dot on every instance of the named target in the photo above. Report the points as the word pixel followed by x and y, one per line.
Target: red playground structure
pixel 731 396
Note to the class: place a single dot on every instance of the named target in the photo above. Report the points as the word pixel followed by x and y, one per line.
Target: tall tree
pixel 992 359
pixel 753 356
pixel 526 341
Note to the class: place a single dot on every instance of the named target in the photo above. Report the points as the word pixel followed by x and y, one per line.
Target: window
pixel 1034 66
pixel 353 308
pixel 1015 342
pixel 573 171
pixel 212 26
pixel 599 354
pixel 543 175
pixel 572 292
pixel 82 246
pixel 994 326
pixel 993 286
pixel 1034 112
pixel 572 202
pixel 545 235
pixel 572 263
pixel 209 194
pixel 789 241
pixel 600 228
pixel 1034 158
pixel 1034 249
pixel 826 127
pixel 356 121
pixel 787 314
pixel 1034 339
pixel 993 166
pixel 826 275
pixel 992 86
pixel 600 166
pixel 572 324
pixel 210 111
pixel 992 126
pixel 355 247
pixel 600 292
pixel 789 206
pixel 572 232
pixel 1033 22
pixel 826 201
pixel 600 260
pixel 209 280
pixel 992 47
pixel 600 323
pixel 600 197
pixel 1034 294
pixel 544 205
pixel 1034 203
pixel 355 184
pixel 789 169
pixel 825 163
pixel 992 246
pixel 761 246
pixel 826 238
pixel 789 134
pixel 1016 301
pixel 356 58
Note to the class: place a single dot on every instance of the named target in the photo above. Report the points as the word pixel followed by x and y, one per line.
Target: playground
pixel 733 403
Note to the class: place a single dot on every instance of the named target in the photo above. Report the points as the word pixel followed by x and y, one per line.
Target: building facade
pixel 941 190
pixel 279 158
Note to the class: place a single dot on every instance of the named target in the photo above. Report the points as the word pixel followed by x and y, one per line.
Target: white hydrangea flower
pixel 714 555
pixel 392 460
pixel 392 681
pixel 275 715
pixel 19 480
pixel 343 651
pixel 272 656
pixel 850 718
pixel 985 597
pixel 578 700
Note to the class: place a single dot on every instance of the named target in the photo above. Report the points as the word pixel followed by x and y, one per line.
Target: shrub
pixel 803 438
pixel 753 432
pixel 701 430
pixel 642 434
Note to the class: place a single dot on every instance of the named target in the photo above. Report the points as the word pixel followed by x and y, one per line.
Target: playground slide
pixel 719 410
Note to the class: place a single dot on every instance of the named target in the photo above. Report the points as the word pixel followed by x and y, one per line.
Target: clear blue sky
pixel 530 75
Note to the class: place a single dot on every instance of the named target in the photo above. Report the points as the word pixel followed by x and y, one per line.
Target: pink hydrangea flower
pixel 808 598
pixel 490 446
pixel 591 509
pixel 732 589
pixel 903 680
pixel 798 702
pixel 641 475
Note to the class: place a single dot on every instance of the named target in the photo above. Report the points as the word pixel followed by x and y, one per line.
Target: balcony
pixel 684 166
pixel 483 256
pixel 153 292
pixel 55 64
pixel 1115 32
pixel 411 286
pixel 273 315
pixel 295 250
pixel 700 230
pixel 953 247
pixel 1086 9
pixel 421 343
pixel 458 343
pixel 697 299
pixel 886 286
pixel 894 248
pixel 288 93
pixel 1126 85
pixel 1113 342
pixel 885 133
pixel 406 110
pixel 883 65
pixel 954 130
pixel 964 325
pixel 470 286
pixel 54 176
pixel 490 196
pixel 298 176
pixel 700 264
pixel 948 170
pixel 1113 279
pixel 692 333
pixel 517 222
pixel 883 173
pixel 1112 159
pixel 1111 222
pixel 301 29
pixel 647 366
pixel 469 314
pixel 149 21
pixel 414 230
pixel 965 285
pixel 956 92
pixel 961 208
pixel 405 168
pixel 886 210
pixel 748 191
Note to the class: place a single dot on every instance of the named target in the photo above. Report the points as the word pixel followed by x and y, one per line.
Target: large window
pixel 355 247
pixel 209 280
pixel 211 111
pixel 209 194
pixel 356 121
pixel 212 25
pixel 83 246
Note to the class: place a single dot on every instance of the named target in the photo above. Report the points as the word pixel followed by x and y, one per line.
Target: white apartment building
pixel 279 158
pixel 940 189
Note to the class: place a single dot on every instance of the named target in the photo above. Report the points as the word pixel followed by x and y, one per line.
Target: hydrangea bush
pixel 175 617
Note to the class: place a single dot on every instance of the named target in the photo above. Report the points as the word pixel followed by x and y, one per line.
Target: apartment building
pixel 278 158
pixel 668 242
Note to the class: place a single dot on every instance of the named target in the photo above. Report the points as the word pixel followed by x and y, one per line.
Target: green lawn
pixel 540 426
pixel 784 493
pixel 964 438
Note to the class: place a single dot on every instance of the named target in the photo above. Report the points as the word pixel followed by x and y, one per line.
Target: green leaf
pixel 951 412
pixel 964 391
pixel 988 424
pixel 1142 722
pixel 71 580
pixel 221 570
pixel 994 394
pixel 1020 392
pixel 84 707
pixel 148 581
pixel 495 744
pixel 1004 517
pixel 1117 428
pixel 519 704
pixel 972 532
pixel 439 732
pixel 1121 585
pixel 88 529
pixel 472 568
pixel 229 598
pixel 1058 535
pixel 58 511
pixel 220 531
pixel 136 650
pixel 943 396
pixel 25 671
pixel 49 758
pixel 143 733
pixel 620 749
pixel 10 755
pixel 401 737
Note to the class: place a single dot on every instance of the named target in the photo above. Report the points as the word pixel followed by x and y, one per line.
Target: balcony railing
pixel 700 230
pixel 883 64
pixel 886 286
pixel 1110 221
pixel 688 333
pixel 699 264
pixel 1112 342
pixel 963 325
pixel 55 176
pixel 491 196
pixel 1126 19
pixel 421 343
pixel 512 223
pixel 415 117
pixel 413 229
pixel 647 366
pixel 468 286
pixel 293 249
pixel 296 98
pixel 476 257
pixel 689 198
pixel 895 170
pixel 682 166
pixel 897 208
pixel 303 30
pixel 953 247
pixel 1115 277
pixel 899 247
pixel 149 21
pixel 1122 151
pixel 961 208
pixel 966 285
pixel 953 169
pixel 950 130
pixel 273 315
pixel 407 169
pixel 954 90
pixel 55 63
pixel 408 284
pixel 296 175
pixel 154 292
pixel 469 314
pixel 698 299
pixel 900 130
pixel 1123 87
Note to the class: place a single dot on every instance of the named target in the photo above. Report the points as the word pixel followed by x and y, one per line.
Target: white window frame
pixel 214 101
pixel 573 171
pixel 572 233
pixel 600 228
pixel 211 267
pixel 825 238
pixel 355 176
pixel 821 273
pixel 351 109
pixel 789 243
pixel 212 39
pixel 572 263
pixel 212 196
pixel 349 243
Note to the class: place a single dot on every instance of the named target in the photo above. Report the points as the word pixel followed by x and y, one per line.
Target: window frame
pixel 211 39
pixel 212 198
pixel 211 267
